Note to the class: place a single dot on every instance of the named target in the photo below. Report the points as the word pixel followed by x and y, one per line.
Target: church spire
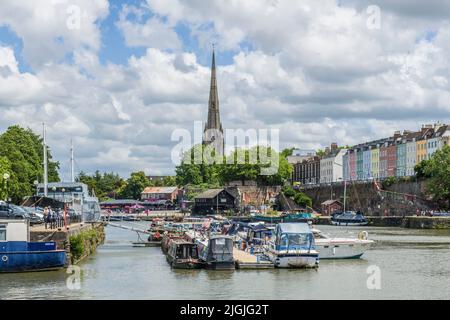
pixel 213 105
pixel 213 129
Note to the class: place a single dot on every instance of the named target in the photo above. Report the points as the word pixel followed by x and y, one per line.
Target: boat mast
pixel 45 161
pixel 72 170
pixel 345 183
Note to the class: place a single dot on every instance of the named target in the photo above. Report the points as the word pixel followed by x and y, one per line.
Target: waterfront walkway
pixel 245 260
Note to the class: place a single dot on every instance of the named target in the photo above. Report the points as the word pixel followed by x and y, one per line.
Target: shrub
pixel 303 200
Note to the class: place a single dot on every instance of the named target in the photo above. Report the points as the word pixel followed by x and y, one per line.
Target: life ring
pixel 363 235
pixel 5 258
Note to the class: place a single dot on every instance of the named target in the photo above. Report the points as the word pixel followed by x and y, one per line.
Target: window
pixel 2 233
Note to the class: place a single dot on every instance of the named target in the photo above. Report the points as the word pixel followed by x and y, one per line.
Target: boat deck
pixel 245 260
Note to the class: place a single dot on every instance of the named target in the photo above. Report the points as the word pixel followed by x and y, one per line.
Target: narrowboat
pixel 216 252
pixel 293 246
pixel 18 254
pixel 349 218
pixel 183 255
pixel 167 238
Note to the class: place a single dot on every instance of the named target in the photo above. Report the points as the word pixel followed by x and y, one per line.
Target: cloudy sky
pixel 120 76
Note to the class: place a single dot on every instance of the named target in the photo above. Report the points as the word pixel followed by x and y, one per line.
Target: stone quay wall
pixel 366 198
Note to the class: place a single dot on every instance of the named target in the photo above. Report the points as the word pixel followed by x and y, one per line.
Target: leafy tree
pixel 240 165
pixel 170 182
pixel 438 169
pixel 134 186
pixel 419 169
pixel 289 192
pixel 9 186
pixel 303 200
pixel 105 186
pixel 287 152
pixel 23 149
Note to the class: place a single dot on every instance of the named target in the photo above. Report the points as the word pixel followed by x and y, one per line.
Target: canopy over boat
pixel 290 228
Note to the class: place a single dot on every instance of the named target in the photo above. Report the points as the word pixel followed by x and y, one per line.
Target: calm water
pixel 414 264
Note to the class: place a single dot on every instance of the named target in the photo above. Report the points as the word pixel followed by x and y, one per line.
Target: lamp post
pixel 6 177
pixel 36 186
pixel 64 208
pixel 53 191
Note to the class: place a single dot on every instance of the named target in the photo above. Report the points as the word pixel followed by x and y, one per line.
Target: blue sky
pixel 135 71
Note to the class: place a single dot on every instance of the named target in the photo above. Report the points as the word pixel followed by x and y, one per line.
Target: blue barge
pixel 18 254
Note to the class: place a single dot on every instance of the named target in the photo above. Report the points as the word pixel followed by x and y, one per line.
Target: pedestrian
pixel 49 218
pixel 46 216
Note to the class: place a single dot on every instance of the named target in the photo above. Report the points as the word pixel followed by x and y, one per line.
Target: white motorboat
pixel 293 247
pixel 341 248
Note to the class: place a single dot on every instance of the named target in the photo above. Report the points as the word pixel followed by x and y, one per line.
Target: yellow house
pixel 375 161
pixel 421 150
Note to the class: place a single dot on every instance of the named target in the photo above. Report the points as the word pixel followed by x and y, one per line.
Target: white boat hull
pixel 349 224
pixel 294 260
pixel 344 249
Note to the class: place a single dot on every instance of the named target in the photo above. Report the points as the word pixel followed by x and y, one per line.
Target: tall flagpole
pixel 72 170
pixel 45 161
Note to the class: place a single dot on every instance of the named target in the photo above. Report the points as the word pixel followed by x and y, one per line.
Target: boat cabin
pixel 180 249
pixel 217 252
pixel 14 231
pixel 293 236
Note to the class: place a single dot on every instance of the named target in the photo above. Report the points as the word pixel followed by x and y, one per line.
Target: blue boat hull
pixel 30 256
pixel 32 261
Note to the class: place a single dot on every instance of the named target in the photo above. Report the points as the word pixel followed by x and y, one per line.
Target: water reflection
pixel 413 264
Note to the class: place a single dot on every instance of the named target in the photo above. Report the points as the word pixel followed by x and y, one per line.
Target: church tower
pixel 213 133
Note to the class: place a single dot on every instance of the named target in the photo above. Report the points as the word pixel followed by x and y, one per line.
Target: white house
pixel 332 166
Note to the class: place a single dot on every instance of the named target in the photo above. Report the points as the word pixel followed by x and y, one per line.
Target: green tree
pixel 105 186
pixel 289 192
pixel 7 186
pixel 303 200
pixel 437 168
pixel 240 165
pixel 134 186
pixel 23 149
pixel 170 182
pixel 419 169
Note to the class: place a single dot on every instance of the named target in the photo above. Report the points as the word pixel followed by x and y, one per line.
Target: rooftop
pixel 160 190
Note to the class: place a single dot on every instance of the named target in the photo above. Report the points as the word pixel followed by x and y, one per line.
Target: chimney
pixel 334 146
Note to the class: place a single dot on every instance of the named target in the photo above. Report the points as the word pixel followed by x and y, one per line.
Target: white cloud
pixel 50 29
pixel 150 33
pixel 312 70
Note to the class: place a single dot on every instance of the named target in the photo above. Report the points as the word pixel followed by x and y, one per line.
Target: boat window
pixel 221 246
pixel 2 233
pixel 297 239
pixel 194 252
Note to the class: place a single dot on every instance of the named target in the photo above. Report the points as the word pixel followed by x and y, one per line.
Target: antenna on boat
pixel 72 169
pixel 45 160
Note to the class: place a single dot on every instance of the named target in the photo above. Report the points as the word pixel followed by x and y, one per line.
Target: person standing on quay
pixel 46 212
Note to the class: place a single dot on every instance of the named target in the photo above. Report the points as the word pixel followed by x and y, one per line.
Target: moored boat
pixel 17 254
pixel 293 246
pixel 349 218
pixel 341 248
pixel 183 255
pixel 216 252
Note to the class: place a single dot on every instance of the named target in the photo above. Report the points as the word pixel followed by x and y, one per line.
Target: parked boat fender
pixel 363 235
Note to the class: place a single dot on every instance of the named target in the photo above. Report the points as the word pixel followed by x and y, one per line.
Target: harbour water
pixel 412 264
